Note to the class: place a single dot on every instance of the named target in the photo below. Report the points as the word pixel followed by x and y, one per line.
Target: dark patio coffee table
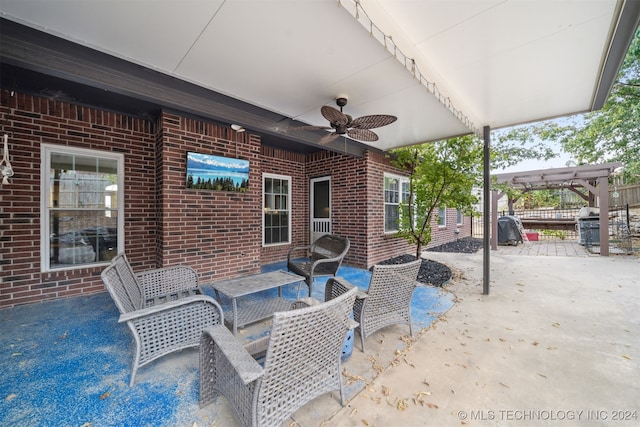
pixel 254 311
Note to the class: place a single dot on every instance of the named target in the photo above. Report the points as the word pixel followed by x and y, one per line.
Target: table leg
pixel 234 310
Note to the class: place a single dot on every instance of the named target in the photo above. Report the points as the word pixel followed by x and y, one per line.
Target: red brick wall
pixel 218 233
pixel 440 235
pixel 30 121
pixel 357 193
pixel 381 245
pixel 215 232
pixel 280 162
pixel 347 196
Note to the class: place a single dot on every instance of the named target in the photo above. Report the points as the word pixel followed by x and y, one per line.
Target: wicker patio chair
pixel 324 257
pixel 302 362
pixel 388 299
pixel 164 308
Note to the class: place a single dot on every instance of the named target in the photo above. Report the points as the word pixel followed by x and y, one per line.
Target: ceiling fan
pixel 344 124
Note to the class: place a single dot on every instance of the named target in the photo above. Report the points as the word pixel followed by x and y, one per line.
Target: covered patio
pixel 443 68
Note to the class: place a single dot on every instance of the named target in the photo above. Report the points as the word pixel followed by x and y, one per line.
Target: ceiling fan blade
pixel 362 135
pixel 334 116
pixel 311 128
pixel 373 121
pixel 328 138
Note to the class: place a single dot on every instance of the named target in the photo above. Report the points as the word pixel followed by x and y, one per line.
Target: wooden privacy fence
pixel 626 194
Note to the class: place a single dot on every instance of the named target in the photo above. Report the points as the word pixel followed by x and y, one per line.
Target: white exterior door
pixel 320 205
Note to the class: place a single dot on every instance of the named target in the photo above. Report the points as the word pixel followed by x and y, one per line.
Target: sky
pixel 556 162
pixel 529 165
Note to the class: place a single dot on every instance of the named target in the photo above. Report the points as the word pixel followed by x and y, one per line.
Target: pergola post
pixel 603 194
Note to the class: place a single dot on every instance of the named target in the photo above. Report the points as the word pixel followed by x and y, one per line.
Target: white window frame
pixel 46 150
pixel 459 217
pixel 288 209
pixel 402 180
pixel 442 217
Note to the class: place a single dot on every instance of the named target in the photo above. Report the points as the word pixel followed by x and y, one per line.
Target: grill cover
pixel 509 230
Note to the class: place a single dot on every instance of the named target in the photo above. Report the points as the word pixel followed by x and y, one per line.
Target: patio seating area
pixel 68 362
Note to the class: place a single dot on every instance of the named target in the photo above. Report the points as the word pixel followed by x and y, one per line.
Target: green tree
pixel 611 134
pixel 441 174
pixel 540 199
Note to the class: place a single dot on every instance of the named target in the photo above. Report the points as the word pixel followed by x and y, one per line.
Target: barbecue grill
pixel 588 226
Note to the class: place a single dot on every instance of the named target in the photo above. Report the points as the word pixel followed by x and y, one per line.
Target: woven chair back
pixel 122 284
pixel 391 288
pixel 303 357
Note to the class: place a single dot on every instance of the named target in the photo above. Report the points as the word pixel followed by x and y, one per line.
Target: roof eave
pixel 622 34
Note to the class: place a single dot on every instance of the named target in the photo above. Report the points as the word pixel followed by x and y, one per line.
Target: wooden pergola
pixel 593 178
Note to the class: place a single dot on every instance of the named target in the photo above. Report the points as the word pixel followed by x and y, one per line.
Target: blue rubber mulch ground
pixel 67 363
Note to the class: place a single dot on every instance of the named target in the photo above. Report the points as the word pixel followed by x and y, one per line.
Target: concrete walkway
pixel 557 342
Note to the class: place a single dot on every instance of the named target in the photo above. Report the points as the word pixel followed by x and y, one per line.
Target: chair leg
pixel 136 358
pixel 299 288
pixel 343 399
pixel 134 371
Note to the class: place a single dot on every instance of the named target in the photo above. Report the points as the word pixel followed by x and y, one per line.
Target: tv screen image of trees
pixel 209 172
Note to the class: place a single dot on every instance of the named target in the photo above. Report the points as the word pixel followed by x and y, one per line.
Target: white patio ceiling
pixel 494 62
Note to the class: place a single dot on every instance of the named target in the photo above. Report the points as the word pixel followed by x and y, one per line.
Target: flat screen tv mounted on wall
pixel 209 172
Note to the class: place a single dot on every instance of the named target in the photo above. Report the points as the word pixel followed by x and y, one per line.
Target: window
pixel 442 217
pixel 396 190
pixel 277 209
pixel 82 207
pixel 459 217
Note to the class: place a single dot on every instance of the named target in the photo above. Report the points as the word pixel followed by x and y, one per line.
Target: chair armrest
pixel 257 347
pixel 297 248
pixel 239 358
pixel 167 280
pixel 149 311
pixel 361 295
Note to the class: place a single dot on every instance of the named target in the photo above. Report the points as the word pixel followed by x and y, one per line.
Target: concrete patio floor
pixel 557 342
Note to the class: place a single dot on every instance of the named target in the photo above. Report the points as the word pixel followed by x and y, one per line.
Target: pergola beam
pixel 559 174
